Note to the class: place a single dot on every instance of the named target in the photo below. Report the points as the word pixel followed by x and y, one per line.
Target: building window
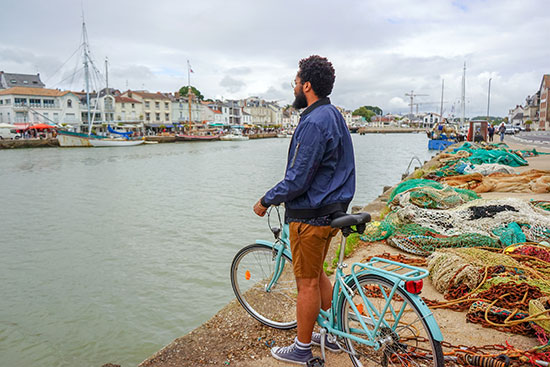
pixel 122 105
pixel 49 103
pixel 167 117
pixel 133 105
pixel 69 103
pixel 147 104
pixel 34 102
pixel 157 116
pixel 157 105
pixel 20 101
pixel 1 118
pixel 7 101
pixel 166 105
pixel 147 116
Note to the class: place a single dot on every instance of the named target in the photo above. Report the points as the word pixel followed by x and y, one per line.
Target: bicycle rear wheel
pixel 252 270
pixel 406 342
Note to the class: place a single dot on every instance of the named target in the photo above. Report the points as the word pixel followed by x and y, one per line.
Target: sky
pixel 381 50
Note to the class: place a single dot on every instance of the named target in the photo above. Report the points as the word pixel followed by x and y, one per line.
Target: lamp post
pixel 488 99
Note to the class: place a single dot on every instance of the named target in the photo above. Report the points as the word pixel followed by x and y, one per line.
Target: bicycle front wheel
pixel 405 337
pixel 265 286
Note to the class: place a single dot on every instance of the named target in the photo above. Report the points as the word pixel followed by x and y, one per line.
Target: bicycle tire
pixel 410 343
pixel 251 270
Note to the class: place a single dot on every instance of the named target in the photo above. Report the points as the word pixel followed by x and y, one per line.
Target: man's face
pixel 300 100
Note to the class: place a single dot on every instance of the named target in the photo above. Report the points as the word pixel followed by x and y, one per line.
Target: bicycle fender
pixel 430 319
pixel 271 244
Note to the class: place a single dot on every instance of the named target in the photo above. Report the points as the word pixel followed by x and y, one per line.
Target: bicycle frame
pixel 280 246
pixel 327 319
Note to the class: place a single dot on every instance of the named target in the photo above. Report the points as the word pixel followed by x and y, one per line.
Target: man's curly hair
pixel 319 72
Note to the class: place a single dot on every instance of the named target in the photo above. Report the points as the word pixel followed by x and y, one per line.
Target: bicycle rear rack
pixel 391 268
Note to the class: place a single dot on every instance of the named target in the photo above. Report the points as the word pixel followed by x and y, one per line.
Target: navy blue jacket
pixel 320 172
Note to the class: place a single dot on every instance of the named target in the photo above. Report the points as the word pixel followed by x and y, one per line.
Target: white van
pixel 8 131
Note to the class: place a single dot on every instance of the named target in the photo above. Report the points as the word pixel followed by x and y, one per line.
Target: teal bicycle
pixel 376 315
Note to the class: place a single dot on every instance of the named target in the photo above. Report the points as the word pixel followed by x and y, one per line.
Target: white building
pixel 128 110
pixel 430 119
pixel 28 105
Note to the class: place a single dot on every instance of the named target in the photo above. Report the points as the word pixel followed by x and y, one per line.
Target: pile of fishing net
pixel 480 158
pixel 507 290
pixel 429 194
pixel 478 223
pixel 537 181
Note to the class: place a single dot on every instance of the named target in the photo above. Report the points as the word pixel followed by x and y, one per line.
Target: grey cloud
pixel 242 70
pixel 232 85
pixel 380 51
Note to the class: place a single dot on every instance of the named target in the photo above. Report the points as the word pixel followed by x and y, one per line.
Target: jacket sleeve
pixel 301 168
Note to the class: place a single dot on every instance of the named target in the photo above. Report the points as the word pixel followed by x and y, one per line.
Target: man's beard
pixel 300 101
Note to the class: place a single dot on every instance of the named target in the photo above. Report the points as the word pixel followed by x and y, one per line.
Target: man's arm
pixel 301 169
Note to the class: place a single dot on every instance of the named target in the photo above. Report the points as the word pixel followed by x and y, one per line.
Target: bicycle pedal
pixel 316 362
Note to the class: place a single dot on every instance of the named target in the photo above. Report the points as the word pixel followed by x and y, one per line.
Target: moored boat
pixel 191 137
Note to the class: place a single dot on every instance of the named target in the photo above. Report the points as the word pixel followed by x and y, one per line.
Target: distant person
pixel 502 131
pixel 319 182
pixel 491 131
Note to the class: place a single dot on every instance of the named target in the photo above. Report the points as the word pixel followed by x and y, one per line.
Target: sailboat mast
pixel 107 75
pixel 86 73
pixel 462 116
pixel 189 97
pixel 441 109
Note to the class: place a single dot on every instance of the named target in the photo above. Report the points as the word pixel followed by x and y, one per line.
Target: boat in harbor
pixel 234 137
pixel 236 134
pixel 193 137
pixel 74 139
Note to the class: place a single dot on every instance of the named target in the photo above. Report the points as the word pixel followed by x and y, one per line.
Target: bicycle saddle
pixel 346 220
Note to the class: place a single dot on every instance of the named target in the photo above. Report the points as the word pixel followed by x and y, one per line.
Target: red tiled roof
pixel 148 95
pixel 28 91
pixel 122 99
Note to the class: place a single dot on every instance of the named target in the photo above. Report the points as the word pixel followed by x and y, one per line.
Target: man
pixel 502 131
pixel 319 182
pixel 491 131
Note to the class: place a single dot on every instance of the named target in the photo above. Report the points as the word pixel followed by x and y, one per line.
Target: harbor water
pixel 108 254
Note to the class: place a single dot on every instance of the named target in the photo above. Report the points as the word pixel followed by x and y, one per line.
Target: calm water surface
pixel 107 255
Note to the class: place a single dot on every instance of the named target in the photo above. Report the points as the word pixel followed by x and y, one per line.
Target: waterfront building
pixel 25 106
pixel 211 112
pixel 10 80
pixel 531 111
pixel 128 110
pixel 263 113
pixel 157 109
pixel 544 106
pixel 102 109
pixel 430 119
pixel 515 116
pixel 180 109
pixel 231 110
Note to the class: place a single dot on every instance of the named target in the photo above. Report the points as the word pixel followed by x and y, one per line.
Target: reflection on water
pixel 109 254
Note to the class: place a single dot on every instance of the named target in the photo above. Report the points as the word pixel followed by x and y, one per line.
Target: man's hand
pixel 259 209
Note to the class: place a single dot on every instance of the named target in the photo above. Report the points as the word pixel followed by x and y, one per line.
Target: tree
pixel 185 90
pixel 364 112
pixel 377 110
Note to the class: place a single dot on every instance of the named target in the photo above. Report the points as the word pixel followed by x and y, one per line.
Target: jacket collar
pixel 320 102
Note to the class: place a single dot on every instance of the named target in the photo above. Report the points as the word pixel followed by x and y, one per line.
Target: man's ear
pixel 306 86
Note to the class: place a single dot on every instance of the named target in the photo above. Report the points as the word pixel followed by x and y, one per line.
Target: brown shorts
pixel 309 245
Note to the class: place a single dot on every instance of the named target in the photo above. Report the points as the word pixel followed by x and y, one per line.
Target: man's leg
pixel 307 307
pixel 325 287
